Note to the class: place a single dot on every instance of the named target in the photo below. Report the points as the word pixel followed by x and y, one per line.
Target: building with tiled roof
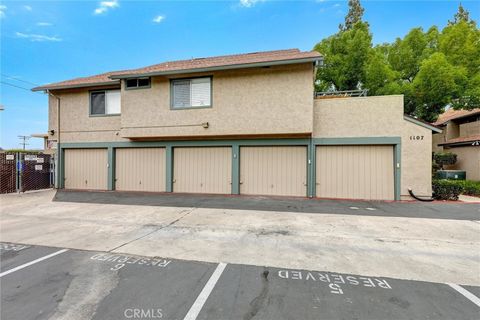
pixel 460 135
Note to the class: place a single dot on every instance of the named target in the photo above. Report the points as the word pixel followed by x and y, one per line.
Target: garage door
pixel 273 171
pixel 355 172
pixel 202 170
pixel 86 169
pixel 140 169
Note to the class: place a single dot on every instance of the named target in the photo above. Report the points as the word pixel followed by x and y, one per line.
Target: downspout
pixel 58 153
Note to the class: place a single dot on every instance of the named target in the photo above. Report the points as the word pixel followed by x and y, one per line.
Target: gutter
pixel 422 124
pixel 73 86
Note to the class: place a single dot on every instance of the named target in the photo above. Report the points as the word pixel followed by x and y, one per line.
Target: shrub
pixel 447 189
pixel 445 158
pixel 471 188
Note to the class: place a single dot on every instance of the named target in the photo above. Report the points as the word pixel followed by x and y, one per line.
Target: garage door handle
pixel 241 182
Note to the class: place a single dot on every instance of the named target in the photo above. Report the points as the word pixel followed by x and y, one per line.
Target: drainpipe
pixel 58 155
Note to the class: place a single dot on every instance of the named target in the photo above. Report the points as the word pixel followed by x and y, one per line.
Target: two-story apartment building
pixel 238 124
pixel 460 135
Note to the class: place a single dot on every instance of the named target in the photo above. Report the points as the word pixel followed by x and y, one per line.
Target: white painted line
pixel 32 262
pixel 354 208
pixel 371 209
pixel 197 306
pixel 467 294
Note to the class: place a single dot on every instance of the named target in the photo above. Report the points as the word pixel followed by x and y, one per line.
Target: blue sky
pixel 49 41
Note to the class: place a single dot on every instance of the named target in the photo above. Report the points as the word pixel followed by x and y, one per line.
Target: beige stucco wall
pixel 380 116
pixel 470 129
pixel 436 139
pixel 260 101
pixel 76 125
pixel 468 159
pixel 275 100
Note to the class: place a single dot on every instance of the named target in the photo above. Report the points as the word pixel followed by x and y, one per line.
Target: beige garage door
pixel 140 169
pixel 202 170
pixel 273 171
pixel 355 172
pixel 86 169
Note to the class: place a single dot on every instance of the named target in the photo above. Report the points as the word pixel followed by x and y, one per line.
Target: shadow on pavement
pixel 435 210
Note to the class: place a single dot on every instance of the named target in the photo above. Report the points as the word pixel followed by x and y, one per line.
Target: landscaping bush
pixel 447 189
pixel 471 188
pixel 444 158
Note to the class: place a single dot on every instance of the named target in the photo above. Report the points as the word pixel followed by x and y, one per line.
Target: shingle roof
pixel 461 139
pixel 223 61
pixel 452 114
pixel 99 79
pixel 193 65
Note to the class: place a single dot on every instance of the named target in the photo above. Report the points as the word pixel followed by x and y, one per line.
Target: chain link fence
pixel 22 172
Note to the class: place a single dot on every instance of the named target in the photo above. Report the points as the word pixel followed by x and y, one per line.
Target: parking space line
pixel 32 262
pixel 467 294
pixel 197 306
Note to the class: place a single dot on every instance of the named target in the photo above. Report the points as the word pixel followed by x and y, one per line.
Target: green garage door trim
pixel 235 145
pixel 395 141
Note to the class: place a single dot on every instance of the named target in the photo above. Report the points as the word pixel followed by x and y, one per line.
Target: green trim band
pixel 111 169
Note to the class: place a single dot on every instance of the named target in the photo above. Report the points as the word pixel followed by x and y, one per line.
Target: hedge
pixel 451 189
pixel 446 189
pixel 471 188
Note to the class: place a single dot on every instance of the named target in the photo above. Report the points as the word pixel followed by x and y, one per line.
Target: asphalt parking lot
pixel 54 283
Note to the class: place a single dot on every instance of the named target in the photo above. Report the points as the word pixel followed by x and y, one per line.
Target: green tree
pixel 436 85
pixel 354 15
pixel 345 57
pixel 461 15
pixel 405 55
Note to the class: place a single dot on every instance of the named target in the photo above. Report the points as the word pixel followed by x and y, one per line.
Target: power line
pixel 18 79
pixel 15 86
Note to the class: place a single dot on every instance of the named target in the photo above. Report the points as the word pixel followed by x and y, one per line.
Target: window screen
pixel 97 103
pixel 105 102
pixel 191 93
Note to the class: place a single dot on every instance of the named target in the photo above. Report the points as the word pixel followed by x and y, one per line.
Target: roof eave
pixel 459 143
pixel 73 86
pixel 218 68
pixel 422 124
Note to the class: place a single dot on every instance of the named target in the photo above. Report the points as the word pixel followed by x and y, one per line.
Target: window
pixel 137 83
pixel 105 102
pixel 191 93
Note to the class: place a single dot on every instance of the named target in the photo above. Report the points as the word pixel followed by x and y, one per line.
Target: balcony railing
pixel 341 94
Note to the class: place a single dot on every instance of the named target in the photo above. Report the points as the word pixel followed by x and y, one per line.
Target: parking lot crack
pixel 184 213
pixel 257 303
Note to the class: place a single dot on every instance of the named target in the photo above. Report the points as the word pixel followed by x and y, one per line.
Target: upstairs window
pixel 136 83
pixel 191 93
pixel 105 102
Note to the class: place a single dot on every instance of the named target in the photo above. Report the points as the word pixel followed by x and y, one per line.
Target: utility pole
pixel 24 140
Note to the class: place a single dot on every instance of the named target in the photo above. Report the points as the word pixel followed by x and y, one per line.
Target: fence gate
pixel 22 172
pixel 8 172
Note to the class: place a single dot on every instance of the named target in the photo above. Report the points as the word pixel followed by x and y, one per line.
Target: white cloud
pixel 44 24
pixel 28 8
pixel 249 3
pixel 158 19
pixel 37 37
pixel 2 11
pixel 104 6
